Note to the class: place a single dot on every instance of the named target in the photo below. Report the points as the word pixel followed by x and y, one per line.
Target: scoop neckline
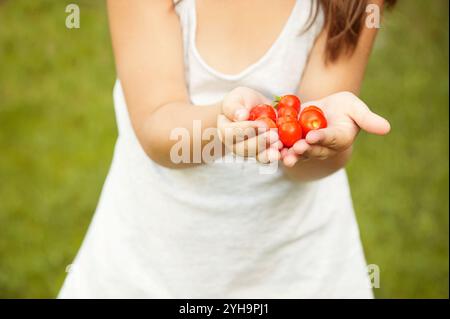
pixel 252 66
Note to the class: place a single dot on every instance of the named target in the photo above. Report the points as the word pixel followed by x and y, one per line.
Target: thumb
pixel 367 120
pixel 237 104
pixel 235 111
pixel 234 108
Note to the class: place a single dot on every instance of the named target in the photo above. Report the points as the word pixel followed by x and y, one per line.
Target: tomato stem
pixel 276 100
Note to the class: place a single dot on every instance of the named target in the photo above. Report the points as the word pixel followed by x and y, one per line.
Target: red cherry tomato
pixel 284 119
pixel 261 110
pixel 312 118
pixel 312 107
pixel 290 101
pixel 289 131
pixel 287 112
pixel 267 121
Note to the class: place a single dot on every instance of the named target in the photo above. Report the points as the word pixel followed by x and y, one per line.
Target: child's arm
pixel 328 150
pixel 148 49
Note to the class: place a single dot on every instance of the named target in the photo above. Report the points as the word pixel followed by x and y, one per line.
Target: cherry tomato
pixel 261 110
pixel 267 121
pixel 285 119
pixel 312 107
pixel 290 101
pixel 289 131
pixel 312 118
pixel 287 111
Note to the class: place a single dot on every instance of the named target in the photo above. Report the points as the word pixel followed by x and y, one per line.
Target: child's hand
pixel 346 114
pixel 247 138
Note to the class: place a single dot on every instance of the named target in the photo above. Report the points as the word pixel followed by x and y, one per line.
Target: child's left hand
pixel 346 114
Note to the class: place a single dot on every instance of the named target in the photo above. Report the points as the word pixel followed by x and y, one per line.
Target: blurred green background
pixel 57 133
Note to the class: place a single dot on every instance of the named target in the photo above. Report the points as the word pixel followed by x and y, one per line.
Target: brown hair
pixel 343 20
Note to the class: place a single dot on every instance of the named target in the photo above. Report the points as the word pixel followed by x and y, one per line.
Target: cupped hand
pixel 346 115
pixel 247 138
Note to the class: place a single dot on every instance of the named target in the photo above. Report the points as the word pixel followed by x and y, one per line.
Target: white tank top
pixel 221 230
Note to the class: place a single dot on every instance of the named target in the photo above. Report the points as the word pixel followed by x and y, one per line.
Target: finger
pixel 283 152
pixel 278 145
pixel 290 160
pixel 330 137
pixel 234 108
pixel 233 132
pixel 241 114
pixel 319 152
pixel 367 120
pixel 223 121
pixel 257 144
pixel 236 105
pixel 295 154
pixel 300 147
pixel 269 155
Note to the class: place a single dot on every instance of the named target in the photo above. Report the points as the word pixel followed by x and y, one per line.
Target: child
pixel 221 229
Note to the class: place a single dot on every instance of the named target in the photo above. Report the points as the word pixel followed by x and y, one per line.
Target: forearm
pixel 148 50
pixel 314 169
pixel 179 122
pixel 346 74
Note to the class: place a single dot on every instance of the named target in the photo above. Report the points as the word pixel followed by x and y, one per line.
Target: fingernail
pixel 241 115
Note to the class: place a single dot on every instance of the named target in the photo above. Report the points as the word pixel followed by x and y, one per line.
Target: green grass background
pixel 57 133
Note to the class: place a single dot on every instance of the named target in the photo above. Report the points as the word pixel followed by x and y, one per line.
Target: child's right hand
pixel 247 138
